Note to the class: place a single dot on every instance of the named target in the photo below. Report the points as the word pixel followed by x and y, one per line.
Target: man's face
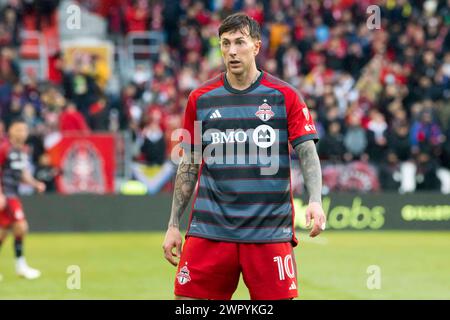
pixel 238 51
pixel 18 132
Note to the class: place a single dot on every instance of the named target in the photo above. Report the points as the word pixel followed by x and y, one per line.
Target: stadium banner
pixel 380 211
pixel 383 211
pixel 86 163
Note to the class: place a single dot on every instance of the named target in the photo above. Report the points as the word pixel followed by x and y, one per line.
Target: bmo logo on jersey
pixel 230 136
pixel 263 136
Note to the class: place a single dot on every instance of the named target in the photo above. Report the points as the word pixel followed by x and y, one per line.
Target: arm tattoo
pixel 186 178
pixel 310 166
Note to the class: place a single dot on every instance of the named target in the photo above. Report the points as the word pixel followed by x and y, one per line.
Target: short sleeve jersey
pixel 12 163
pixel 244 188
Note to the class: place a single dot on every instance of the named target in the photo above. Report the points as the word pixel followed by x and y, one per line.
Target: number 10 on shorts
pixel 285 266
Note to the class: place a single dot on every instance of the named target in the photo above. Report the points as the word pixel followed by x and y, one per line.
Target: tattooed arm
pixel 310 166
pixel 312 175
pixel 185 180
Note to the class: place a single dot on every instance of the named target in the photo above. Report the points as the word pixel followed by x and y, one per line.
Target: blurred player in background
pixel 242 220
pixel 14 170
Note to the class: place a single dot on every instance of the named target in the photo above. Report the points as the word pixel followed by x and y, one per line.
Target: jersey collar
pixel 252 86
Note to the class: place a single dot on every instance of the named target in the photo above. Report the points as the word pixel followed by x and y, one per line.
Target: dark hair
pixel 241 21
pixel 16 120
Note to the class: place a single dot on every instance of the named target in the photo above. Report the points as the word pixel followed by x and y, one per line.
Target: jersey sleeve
pixel 301 126
pixel 3 157
pixel 3 154
pixel 190 136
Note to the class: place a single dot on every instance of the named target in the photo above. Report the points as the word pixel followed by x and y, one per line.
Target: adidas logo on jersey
pixel 293 286
pixel 216 114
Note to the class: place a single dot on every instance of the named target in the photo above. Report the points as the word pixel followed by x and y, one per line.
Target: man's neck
pixel 243 81
pixel 16 144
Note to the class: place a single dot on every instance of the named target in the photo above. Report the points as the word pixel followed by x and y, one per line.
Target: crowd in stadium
pixel 378 95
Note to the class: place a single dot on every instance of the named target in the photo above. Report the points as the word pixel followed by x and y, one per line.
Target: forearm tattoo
pixel 185 180
pixel 310 166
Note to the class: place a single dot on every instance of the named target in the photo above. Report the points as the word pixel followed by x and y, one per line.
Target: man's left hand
pixel 315 212
pixel 40 187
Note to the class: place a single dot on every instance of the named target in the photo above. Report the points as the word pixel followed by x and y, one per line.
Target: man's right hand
pixel 172 240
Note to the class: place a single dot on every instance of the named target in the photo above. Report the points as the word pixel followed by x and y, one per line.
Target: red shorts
pixel 13 212
pixel 210 269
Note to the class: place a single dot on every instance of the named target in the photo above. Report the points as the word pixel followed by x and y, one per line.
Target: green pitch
pixel 412 265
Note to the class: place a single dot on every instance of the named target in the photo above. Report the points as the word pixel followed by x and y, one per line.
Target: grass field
pixel 413 265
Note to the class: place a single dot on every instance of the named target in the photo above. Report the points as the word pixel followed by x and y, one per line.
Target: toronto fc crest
pixel 265 112
pixel 82 167
pixel 183 276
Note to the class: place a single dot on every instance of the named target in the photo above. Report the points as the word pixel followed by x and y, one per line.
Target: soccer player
pixel 242 218
pixel 14 170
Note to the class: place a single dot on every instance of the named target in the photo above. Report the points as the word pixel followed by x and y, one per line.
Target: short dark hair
pixel 16 120
pixel 240 21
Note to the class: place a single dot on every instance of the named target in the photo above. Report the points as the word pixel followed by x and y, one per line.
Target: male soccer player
pixel 242 218
pixel 14 170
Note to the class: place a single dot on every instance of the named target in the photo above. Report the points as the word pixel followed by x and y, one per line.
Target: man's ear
pixel 257 47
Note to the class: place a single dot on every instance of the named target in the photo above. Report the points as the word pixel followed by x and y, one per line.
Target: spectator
pixel 399 142
pixel 9 69
pixel 376 136
pixel 426 174
pixel 52 100
pixel 130 108
pixel 331 146
pixel 55 69
pixel 355 140
pixel 277 30
pixel 80 87
pixel 98 115
pixel 171 16
pixel 425 133
pixel 153 146
pixel 30 116
pixel 71 120
pixel 137 16
pixel 390 175
pixel 255 10
pixel 15 104
pixel 11 27
pixel 115 16
pixel 44 11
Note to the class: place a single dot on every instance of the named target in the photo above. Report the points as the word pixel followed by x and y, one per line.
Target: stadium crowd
pixel 378 96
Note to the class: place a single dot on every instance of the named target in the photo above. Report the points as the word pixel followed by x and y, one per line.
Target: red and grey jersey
pixel 12 163
pixel 244 190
